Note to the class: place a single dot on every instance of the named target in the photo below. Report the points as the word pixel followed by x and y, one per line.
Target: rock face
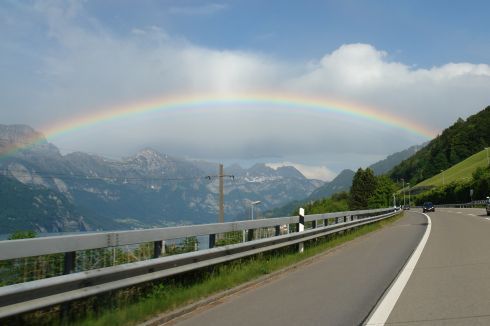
pixel 147 189
pixel 27 207
pixel 14 136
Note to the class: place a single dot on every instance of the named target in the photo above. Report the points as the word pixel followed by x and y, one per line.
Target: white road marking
pixel 471 214
pixel 384 308
pixel 487 218
pixel 459 212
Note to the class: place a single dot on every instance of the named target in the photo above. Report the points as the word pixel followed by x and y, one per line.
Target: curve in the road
pixel 386 305
pixel 338 288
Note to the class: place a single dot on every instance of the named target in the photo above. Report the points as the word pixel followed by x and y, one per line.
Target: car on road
pixel 487 206
pixel 406 207
pixel 428 207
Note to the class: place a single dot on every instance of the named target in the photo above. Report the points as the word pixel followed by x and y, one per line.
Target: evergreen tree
pixel 364 187
pixel 383 194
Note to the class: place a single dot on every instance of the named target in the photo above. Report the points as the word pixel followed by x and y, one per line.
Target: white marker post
pixel 301 228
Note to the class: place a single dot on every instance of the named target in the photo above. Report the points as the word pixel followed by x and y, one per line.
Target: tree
pixel 364 186
pixel 382 196
pixel 22 235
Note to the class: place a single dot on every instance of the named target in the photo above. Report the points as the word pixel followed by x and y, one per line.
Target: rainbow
pixel 283 101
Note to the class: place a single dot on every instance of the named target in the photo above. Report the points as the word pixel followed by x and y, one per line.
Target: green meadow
pixel 459 172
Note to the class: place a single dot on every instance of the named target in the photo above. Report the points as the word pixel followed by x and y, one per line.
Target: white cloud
pixel 87 68
pixel 309 171
pixel 357 67
pixel 435 96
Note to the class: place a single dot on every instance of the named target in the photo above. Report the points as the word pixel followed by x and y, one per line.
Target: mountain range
pixel 81 191
pixel 147 189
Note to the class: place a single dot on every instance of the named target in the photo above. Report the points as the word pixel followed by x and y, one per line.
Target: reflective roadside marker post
pixel 301 228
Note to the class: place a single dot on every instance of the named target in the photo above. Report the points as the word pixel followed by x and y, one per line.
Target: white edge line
pixel 384 308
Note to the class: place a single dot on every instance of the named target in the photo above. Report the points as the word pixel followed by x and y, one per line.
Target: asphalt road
pixel 450 284
pixel 339 288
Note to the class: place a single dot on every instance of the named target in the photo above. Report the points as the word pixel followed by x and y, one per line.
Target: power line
pixel 236 181
pixel 105 178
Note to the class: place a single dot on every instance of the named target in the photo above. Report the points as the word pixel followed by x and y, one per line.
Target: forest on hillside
pixel 456 143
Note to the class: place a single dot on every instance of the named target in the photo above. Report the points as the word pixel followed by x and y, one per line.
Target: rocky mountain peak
pixel 150 156
pixel 290 172
pixel 20 136
pixel 151 160
pixel 260 169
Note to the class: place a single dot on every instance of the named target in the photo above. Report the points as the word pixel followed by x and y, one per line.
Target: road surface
pixel 451 281
pixel 339 288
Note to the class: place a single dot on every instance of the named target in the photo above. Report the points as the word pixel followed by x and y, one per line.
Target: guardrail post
pixel 69 262
pixel 250 234
pixel 212 240
pixel 325 222
pixel 337 219
pixel 157 248
pixel 313 224
pixel 277 230
pixel 301 228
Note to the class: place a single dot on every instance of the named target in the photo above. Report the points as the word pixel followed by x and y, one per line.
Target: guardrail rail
pixel 33 295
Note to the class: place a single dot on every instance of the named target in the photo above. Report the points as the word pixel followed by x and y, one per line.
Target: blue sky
pixel 424 61
pixel 424 33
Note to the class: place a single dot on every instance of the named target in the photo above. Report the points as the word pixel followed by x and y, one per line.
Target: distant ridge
pixel 384 166
pixel 343 181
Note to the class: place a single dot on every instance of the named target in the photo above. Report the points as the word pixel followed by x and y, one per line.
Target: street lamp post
pixel 403 188
pixel 409 202
pixel 252 204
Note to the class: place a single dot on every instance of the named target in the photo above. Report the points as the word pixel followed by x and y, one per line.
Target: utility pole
pixel 221 177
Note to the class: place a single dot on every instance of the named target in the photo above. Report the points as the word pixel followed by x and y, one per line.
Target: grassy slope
pixel 458 172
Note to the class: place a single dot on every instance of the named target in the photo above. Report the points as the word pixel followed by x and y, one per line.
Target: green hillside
pixel 462 171
pixel 456 143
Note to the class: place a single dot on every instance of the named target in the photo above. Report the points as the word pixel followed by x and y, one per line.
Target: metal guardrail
pixel 464 205
pixel 33 295
pixel 472 204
